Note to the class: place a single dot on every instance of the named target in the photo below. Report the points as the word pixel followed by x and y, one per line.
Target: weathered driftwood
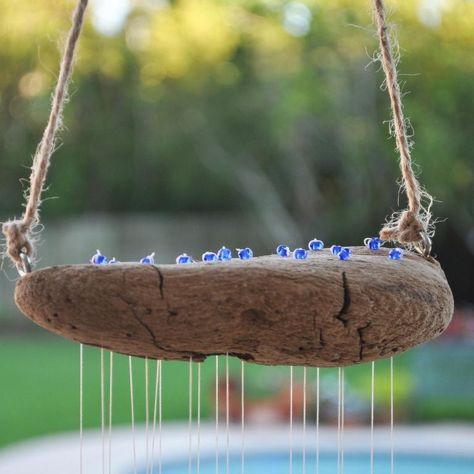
pixel 269 310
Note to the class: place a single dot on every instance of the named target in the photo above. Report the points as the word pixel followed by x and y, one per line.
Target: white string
pixel 392 450
pixel 304 420
pixel 199 420
pixel 291 419
pixel 160 416
pixel 160 421
pixel 147 415
pixel 217 414
pixel 342 420
pixel 339 422
pixel 155 411
pixel 132 414
pixel 102 407
pixel 242 410
pixel 190 461
pixel 111 372
pixel 317 420
pixel 227 419
pixel 372 418
pixel 81 407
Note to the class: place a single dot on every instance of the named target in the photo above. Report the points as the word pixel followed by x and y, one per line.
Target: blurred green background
pixel 197 123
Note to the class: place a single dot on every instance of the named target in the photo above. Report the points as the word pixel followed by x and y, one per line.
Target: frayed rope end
pixel 18 241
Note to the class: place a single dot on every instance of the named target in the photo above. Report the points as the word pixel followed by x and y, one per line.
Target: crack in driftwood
pixel 161 277
pixel 346 302
pixel 362 342
pixel 186 354
pixel 162 281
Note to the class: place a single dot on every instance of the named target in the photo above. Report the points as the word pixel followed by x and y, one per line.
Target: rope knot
pixel 407 230
pixel 18 240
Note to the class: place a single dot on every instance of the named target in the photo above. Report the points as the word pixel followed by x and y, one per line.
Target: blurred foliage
pixel 243 105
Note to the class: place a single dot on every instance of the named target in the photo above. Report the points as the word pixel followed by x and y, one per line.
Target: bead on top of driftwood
pixel 320 311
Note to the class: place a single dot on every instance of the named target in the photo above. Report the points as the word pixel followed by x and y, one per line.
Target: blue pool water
pixel 353 464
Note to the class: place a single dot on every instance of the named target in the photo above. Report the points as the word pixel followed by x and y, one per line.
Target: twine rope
pixel 408 226
pixel 18 233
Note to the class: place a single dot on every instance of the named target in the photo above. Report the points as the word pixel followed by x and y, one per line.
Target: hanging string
pixel 291 420
pixel 339 398
pixel 217 414
pixel 132 414
pixel 392 450
pixel 157 404
pixel 111 372
pixel 304 420
pixel 190 420
pixel 372 418
pixel 147 414
pixel 227 416
pixel 242 413
pixel 317 420
pixel 342 419
pixel 81 407
pixel 412 225
pixel 102 407
pixel 160 421
pixel 18 233
pixel 199 419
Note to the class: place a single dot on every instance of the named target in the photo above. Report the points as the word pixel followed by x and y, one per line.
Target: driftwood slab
pixel 317 312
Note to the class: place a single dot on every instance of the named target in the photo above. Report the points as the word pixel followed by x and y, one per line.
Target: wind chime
pixel 321 307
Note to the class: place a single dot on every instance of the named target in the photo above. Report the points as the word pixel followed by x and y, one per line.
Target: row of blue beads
pixel 99 259
pixel 225 254
pixel 300 253
pixel 374 244
pixel 284 251
pixel 343 253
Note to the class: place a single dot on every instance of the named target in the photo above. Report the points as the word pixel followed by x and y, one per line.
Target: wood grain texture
pixel 317 312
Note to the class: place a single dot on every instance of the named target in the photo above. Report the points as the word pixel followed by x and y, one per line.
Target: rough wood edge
pixel 336 312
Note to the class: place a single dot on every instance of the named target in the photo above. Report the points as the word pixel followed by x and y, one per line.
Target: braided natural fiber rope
pixel 406 227
pixel 18 233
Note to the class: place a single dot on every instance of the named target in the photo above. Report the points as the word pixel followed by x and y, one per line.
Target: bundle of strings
pixel 406 227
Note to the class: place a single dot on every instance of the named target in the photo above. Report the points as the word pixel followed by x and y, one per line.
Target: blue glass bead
pixel 99 259
pixel 335 249
pixel 149 259
pixel 283 251
pixel 396 253
pixel 209 257
pixel 245 254
pixel 224 254
pixel 183 259
pixel 316 244
pixel 300 254
pixel 345 254
pixel 373 243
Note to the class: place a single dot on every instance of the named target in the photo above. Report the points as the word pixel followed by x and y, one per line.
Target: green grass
pixel 39 392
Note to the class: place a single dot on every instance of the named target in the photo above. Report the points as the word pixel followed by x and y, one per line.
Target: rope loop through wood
pixel 407 230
